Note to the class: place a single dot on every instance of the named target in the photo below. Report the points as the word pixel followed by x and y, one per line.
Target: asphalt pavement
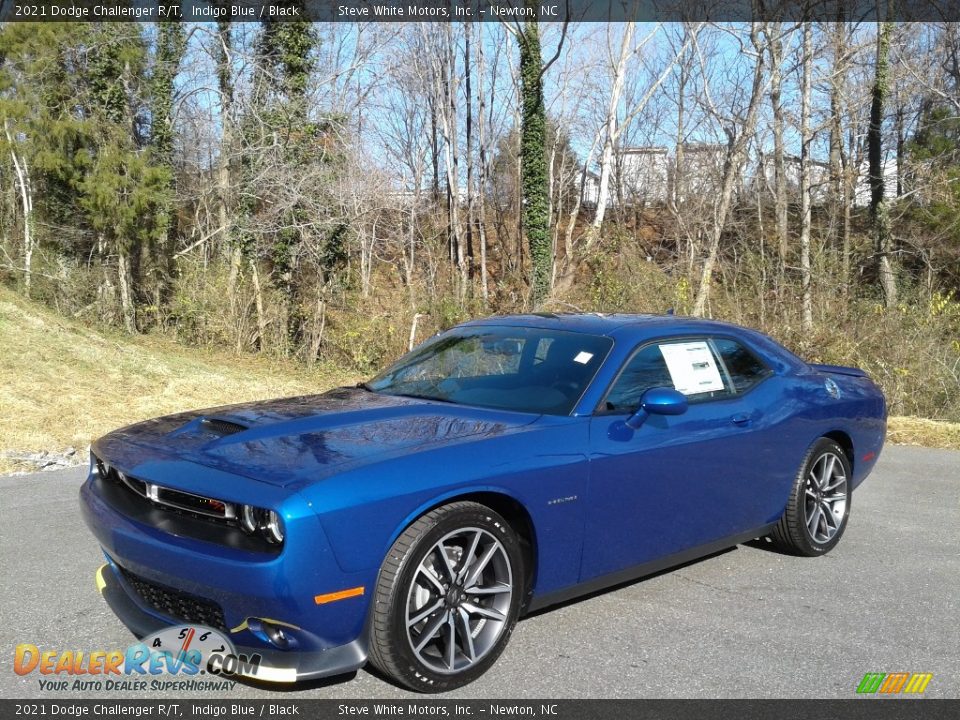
pixel 748 622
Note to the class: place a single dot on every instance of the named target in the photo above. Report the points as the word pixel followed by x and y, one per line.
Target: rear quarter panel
pixel 860 413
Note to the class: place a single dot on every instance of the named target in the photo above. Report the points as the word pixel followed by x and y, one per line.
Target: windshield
pixel 510 368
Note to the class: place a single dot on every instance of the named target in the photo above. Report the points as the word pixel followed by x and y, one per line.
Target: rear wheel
pixel 819 504
pixel 447 598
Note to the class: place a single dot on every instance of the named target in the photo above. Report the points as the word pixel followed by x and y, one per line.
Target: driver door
pixel 677 482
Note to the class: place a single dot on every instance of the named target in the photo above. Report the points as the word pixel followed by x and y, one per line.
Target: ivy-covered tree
pixel 170 46
pixel 533 163
pixel 879 207
pixel 285 143
pixel 123 192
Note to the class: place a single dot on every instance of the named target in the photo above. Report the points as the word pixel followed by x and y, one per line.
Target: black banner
pixel 424 707
pixel 510 11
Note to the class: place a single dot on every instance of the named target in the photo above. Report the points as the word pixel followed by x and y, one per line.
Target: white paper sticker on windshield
pixel 692 367
pixel 583 357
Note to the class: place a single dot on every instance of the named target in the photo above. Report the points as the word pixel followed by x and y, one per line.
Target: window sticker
pixel 583 357
pixel 692 367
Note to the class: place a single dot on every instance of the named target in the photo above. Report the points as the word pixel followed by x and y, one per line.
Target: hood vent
pixel 222 427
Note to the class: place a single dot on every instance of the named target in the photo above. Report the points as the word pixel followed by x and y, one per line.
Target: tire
pixel 477 608
pixel 822 486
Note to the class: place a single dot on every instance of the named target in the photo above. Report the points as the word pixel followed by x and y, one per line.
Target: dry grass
pixel 63 384
pixel 920 431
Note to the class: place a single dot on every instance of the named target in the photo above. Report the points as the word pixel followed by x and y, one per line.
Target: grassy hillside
pixel 63 384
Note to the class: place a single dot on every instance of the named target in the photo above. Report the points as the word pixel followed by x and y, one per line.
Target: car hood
pixel 304 438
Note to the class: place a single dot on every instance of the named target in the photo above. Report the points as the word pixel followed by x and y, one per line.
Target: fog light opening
pixel 276 635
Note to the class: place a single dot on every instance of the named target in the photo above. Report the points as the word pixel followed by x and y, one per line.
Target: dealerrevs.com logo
pixel 183 653
pixel 894 683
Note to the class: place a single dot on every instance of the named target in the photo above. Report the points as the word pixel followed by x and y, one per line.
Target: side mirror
pixel 658 401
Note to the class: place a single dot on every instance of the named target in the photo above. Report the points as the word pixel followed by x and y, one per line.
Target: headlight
pixel 267 522
pixel 248 519
pixel 274 527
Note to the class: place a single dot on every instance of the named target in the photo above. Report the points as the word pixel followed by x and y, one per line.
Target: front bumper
pixel 244 586
pixel 277 666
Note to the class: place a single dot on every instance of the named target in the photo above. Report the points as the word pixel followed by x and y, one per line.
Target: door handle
pixel 740 419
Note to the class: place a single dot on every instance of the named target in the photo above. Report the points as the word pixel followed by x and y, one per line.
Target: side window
pixel 645 370
pixel 744 368
pixel 688 366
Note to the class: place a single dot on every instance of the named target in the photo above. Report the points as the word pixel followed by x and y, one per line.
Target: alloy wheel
pixel 825 498
pixel 458 603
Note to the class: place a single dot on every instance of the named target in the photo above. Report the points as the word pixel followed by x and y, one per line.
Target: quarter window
pixel 744 368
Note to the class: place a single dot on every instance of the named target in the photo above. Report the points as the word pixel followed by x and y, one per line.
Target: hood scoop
pixel 222 428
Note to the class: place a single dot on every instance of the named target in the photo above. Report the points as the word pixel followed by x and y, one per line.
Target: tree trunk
pixel 609 143
pixel 126 302
pixel 319 324
pixel 258 301
pixel 676 191
pixel 781 221
pixel 806 137
pixel 468 137
pixel 839 161
pixel 482 174
pixel 26 201
pixel 446 70
pixel 224 184
pixel 879 212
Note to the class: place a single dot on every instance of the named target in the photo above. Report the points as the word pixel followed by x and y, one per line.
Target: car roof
pixel 606 323
pixel 636 328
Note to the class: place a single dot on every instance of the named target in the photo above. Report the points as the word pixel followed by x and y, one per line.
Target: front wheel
pixel 447 598
pixel 819 504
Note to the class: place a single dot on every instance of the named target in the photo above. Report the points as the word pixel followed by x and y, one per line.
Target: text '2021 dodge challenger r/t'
pixel 502 466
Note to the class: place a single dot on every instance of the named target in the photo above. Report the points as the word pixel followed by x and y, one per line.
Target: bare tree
pixel 806 138
pixel 608 135
pixel 739 131
pixel 26 200
pixel 775 46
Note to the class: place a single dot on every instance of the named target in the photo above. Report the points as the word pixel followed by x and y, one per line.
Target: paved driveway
pixel 747 622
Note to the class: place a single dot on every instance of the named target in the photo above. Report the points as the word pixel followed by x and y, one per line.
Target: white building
pixel 861 192
pixel 649 175
pixel 645 174
pixel 819 176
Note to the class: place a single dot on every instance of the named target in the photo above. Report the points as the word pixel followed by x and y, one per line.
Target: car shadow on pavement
pixel 765 544
pixel 760 544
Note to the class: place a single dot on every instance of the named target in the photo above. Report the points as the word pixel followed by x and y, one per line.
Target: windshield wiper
pixel 364 386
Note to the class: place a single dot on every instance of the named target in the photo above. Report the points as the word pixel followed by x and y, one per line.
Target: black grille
pixel 176 604
pixel 223 427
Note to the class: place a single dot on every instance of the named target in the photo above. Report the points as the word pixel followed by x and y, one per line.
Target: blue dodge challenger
pixel 502 466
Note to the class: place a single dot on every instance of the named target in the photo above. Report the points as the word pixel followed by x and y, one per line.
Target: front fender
pixel 364 511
